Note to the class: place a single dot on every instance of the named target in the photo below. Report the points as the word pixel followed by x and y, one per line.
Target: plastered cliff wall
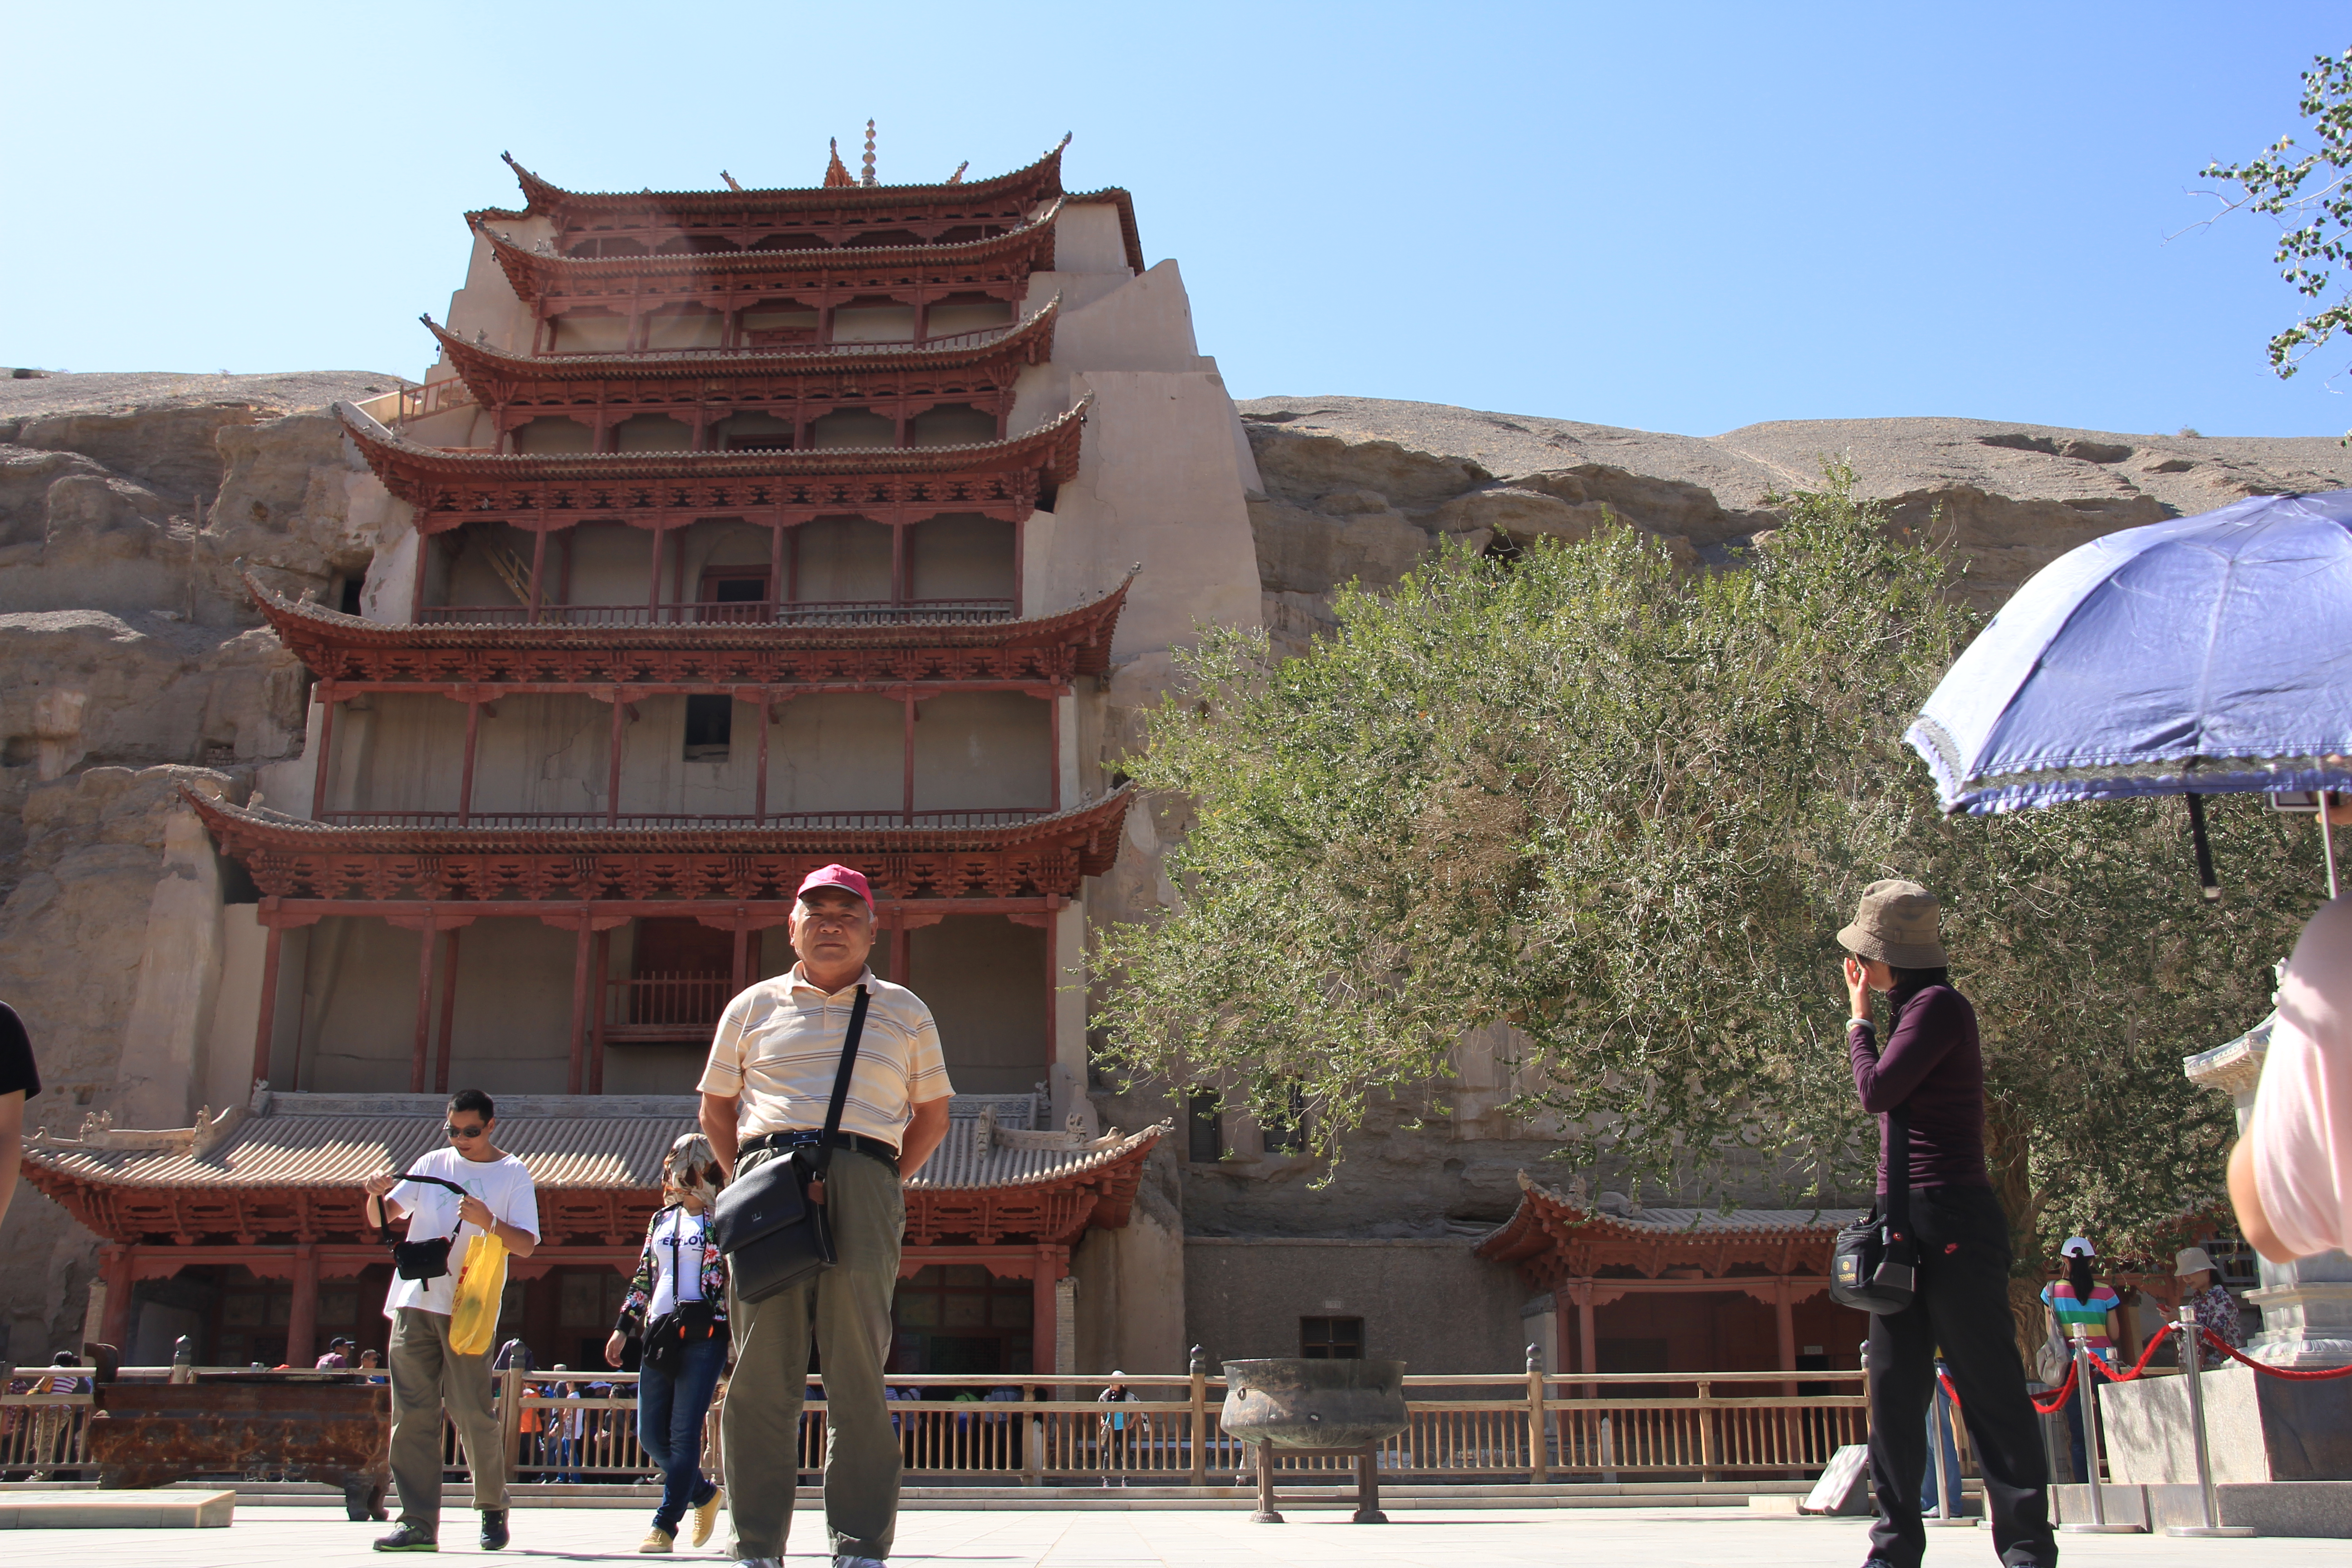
pixel 132 666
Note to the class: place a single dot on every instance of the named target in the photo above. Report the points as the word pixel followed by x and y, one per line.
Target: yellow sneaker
pixel 657 1539
pixel 706 1515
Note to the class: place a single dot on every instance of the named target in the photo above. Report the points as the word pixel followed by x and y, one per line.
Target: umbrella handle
pixel 2206 882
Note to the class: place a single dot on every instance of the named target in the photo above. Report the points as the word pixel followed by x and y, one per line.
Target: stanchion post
pixel 2192 1368
pixel 2086 1391
pixel 1947 1481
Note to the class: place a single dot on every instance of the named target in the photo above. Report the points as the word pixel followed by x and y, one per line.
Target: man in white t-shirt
pixel 765 1092
pixel 427 1374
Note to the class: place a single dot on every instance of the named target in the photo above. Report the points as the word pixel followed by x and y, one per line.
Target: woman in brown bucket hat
pixel 1931 1068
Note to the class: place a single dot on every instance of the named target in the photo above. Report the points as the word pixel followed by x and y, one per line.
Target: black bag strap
pixel 1898 1171
pixel 823 1159
pixel 375 1205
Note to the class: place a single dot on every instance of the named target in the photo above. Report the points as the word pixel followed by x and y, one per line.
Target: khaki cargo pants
pixel 846 1310
pixel 428 1377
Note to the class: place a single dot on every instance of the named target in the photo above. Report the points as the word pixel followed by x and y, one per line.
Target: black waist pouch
pixel 429 1258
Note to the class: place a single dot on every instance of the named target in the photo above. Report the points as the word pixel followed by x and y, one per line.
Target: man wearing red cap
pixel 766 1090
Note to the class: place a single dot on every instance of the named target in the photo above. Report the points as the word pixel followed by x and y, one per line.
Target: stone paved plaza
pixel 322 1538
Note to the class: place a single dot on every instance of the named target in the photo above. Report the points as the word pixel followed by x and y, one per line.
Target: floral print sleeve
pixel 631 1322
pixel 714 1279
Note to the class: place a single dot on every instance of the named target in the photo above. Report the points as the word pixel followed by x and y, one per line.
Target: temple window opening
pixel 1332 1339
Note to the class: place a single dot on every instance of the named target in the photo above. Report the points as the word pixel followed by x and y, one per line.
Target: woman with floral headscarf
pixel 677 1304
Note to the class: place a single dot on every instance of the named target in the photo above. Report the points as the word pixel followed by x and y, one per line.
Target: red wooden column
pixel 466 767
pixel 653 571
pixel 910 806
pixel 741 974
pixel 612 777
pixel 594 1064
pixel 303 1318
pixel 901 590
pixel 583 958
pixel 448 1016
pixel 760 770
pixel 1588 1354
pixel 265 1032
pixel 538 570
pixel 114 1260
pixel 321 779
pixel 776 570
pixel 1785 1320
pixel 1043 1335
pixel 416 1061
pixel 416 590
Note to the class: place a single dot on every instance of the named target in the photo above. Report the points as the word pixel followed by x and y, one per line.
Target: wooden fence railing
pixel 580 1426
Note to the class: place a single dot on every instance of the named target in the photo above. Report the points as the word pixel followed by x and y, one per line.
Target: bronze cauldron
pixel 1293 1403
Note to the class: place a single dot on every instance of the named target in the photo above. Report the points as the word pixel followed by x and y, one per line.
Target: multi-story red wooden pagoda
pixel 723 560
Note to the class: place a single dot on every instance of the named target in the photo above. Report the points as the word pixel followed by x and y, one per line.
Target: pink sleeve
pixel 2301 1129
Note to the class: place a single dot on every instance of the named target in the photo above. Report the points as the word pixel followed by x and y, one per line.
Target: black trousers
pixel 1962 1307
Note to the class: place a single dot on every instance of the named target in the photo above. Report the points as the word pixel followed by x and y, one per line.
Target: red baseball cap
pixel 837 876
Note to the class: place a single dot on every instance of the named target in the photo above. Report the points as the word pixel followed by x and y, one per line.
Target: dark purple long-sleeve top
pixel 1933 1065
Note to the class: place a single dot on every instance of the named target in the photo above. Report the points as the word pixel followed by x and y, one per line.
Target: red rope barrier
pixel 2234 1353
pixel 2066 1390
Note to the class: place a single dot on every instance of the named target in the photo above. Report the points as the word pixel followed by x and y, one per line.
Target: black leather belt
pixel 809 1138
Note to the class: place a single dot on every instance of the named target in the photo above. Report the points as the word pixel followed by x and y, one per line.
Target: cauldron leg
pixel 359 1497
pixel 1266 1514
pixel 1368 1487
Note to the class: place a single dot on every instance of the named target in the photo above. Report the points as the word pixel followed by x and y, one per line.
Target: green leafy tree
pixel 2306 194
pixel 1623 809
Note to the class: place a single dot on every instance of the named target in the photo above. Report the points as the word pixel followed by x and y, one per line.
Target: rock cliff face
pixel 1362 487
pixel 131 665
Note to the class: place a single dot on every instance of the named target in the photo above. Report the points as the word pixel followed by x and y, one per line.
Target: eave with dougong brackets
pixel 353 655
pixel 1568 1245
pixel 552 869
pixel 448 490
pixel 831 215
pixel 288 1172
pixel 999 266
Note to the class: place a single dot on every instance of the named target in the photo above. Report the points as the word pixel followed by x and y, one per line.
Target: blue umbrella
pixel 2206 655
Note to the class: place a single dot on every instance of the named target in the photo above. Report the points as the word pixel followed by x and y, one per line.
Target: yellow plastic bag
pixel 481 1284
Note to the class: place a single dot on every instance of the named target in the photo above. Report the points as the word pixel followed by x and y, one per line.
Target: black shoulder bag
pixel 773 1236
pixel 1872 1262
pixel 426 1259
pixel 686 1322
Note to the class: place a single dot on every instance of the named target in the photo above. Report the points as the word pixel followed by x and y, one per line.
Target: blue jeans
pixel 670 1408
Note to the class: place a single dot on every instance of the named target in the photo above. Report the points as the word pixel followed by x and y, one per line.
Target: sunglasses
pixel 455 1131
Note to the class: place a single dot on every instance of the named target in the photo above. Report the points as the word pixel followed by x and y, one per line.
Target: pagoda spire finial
pixel 866 178
pixel 836 172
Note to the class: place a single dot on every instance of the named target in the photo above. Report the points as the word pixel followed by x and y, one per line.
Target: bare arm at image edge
pixel 925 1132
pixel 2253 1223
pixel 12 1145
pixel 718 1114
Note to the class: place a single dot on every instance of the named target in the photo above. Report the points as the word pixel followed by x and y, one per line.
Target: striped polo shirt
pixel 778 1047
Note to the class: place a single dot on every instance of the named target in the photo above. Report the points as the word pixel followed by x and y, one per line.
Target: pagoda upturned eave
pixel 479 869
pixel 494 377
pixel 344 648
pixel 532 273
pixel 410 470
pixel 544 198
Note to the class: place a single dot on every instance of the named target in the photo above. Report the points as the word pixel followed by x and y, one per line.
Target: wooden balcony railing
pixel 555 821
pixel 1505 1427
pixel 682 1006
pixel 730 613
pixel 948 344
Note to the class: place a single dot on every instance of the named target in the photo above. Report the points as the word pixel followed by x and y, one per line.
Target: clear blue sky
pixel 1681 217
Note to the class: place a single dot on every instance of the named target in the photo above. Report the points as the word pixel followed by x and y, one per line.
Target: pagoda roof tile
pixel 261 828
pixel 1053 445
pixel 969 348
pixel 531 272
pixel 544 198
pixel 336 1141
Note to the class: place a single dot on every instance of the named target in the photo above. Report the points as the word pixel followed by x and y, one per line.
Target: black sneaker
pixel 409 1537
pixel 494 1529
